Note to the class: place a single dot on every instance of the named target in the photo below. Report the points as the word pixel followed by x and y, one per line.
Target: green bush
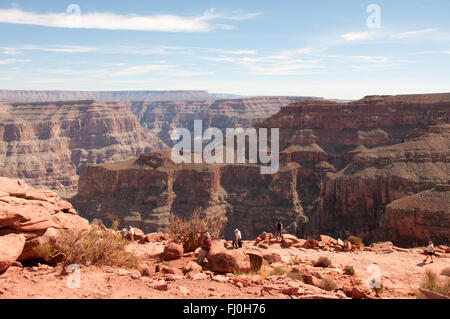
pixel 95 247
pixel 323 262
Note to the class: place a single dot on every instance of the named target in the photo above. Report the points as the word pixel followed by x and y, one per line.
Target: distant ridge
pixel 27 96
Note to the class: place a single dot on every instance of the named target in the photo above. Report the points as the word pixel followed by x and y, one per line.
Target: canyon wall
pixel 161 117
pixel 377 168
pixel 107 96
pixel 49 144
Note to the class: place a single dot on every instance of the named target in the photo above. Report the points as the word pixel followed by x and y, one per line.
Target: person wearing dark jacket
pixel 205 248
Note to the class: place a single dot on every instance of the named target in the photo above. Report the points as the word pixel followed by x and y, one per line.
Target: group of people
pixel 237 241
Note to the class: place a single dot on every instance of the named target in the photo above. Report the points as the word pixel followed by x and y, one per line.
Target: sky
pixel 327 48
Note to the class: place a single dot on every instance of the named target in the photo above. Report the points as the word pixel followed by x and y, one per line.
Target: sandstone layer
pixel 162 117
pixel 49 144
pixel 343 164
pixel 29 217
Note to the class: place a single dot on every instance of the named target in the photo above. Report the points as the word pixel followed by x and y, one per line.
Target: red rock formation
pixel 49 144
pixel 343 165
pixel 33 214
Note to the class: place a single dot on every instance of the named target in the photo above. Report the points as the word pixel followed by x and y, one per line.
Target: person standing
pixel 278 230
pixel 205 248
pixel 430 251
pixel 237 243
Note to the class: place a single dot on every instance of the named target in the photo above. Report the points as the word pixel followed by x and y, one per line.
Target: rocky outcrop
pixel 343 164
pixel 48 145
pixel 33 214
pixel 161 117
pixel 146 194
pixel 11 246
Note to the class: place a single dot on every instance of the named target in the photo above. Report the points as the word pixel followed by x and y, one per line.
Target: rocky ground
pixel 401 273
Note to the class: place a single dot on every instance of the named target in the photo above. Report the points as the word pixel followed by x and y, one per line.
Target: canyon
pixel 48 144
pixel 376 168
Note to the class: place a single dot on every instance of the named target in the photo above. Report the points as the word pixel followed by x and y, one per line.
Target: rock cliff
pixel 375 168
pixel 161 117
pixel 48 144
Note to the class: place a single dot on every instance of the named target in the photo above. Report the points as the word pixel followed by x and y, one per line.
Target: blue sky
pixel 315 48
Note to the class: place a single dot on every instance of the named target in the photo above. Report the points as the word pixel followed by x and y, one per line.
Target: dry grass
pixel 189 233
pixel 278 271
pixel 328 284
pixel 432 282
pixel 93 248
pixel 295 276
pixel 446 272
pixel 349 270
pixel 323 262
pixel 356 241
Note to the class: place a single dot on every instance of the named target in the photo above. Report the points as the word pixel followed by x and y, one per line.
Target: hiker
pixel 278 230
pixel 430 252
pixel 237 243
pixel 131 233
pixel 206 246
pixel 124 233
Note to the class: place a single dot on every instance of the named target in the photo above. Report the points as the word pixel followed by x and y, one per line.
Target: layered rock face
pixel 161 117
pixel 48 144
pixel 104 96
pixel 347 169
pixel 357 158
pixel 29 217
pixel 146 192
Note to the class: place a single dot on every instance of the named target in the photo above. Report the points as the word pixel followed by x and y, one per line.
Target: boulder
pixel 37 214
pixel 138 234
pixel 256 259
pixel 172 251
pixel 263 245
pixel 224 261
pixel 191 267
pixel 327 240
pixel 11 247
pixel 286 243
pixel 155 237
pixel 290 237
pixel 272 257
pixel 358 294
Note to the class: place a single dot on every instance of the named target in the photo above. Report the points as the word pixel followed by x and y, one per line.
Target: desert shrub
pixel 189 233
pixel 356 241
pixel 295 261
pixel 278 271
pixel 323 262
pixel 115 225
pixel 446 272
pixel 377 288
pixel 431 282
pixel 92 248
pixel 295 276
pixel 328 284
pixel 349 270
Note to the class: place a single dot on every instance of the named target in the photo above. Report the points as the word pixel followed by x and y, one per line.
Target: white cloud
pixel 141 69
pixel 112 21
pixel 11 51
pixel 58 48
pixel 13 61
pixel 413 33
pixel 357 36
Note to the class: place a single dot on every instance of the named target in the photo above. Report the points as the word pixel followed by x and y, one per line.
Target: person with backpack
pixel 237 243
pixel 279 230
